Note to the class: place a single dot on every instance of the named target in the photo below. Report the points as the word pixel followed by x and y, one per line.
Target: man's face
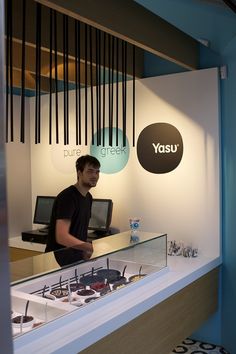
pixel 89 177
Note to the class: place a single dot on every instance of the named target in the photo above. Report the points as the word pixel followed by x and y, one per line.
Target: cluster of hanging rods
pixel 110 44
pixel 9 75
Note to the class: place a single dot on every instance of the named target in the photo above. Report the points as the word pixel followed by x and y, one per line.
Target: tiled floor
pixel 191 346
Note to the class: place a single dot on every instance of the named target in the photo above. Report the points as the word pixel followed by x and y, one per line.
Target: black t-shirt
pixel 72 205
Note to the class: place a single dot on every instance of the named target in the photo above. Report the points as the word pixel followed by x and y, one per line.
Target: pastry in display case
pixel 118 265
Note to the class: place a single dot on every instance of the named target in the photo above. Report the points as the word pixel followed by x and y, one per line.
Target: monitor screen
pixel 43 209
pixel 101 214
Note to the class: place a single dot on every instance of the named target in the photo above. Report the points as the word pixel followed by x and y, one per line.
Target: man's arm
pixel 63 237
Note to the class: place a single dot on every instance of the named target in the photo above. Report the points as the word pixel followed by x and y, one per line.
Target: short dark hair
pixel 82 161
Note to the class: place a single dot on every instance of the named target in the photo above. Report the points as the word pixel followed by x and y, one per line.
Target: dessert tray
pixel 69 289
pixel 118 267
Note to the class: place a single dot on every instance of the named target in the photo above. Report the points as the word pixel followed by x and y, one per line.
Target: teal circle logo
pixel 112 158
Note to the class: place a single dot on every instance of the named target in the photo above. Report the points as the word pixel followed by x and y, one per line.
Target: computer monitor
pixel 101 215
pixel 43 210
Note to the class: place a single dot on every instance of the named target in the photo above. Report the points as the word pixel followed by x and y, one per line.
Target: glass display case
pixel 44 291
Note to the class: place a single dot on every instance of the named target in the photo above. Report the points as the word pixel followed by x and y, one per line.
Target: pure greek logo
pixel 160 148
pixel 112 158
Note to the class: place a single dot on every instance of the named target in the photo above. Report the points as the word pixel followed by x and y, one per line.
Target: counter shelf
pixel 136 261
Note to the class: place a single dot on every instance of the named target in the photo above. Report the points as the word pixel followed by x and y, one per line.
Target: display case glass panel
pixel 45 292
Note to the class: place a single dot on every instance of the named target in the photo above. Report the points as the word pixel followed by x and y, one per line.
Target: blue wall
pixel 218 25
pixel 229 198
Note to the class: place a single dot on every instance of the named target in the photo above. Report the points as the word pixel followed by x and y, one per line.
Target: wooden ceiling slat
pixel 133 23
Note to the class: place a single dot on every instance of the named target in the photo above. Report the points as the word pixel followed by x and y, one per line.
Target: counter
pixel 143 317
pixel 16 242
pixel 19 249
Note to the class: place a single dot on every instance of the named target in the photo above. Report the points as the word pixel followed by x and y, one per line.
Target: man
pixel 71 213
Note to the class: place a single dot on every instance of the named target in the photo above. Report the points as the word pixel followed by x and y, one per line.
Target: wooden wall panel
pixel 160 329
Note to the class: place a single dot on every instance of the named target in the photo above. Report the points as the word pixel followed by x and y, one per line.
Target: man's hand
pixel 88 250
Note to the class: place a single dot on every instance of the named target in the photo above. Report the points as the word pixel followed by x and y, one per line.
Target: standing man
pixel 71 213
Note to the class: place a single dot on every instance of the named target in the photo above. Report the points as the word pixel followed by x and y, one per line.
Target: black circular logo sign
pixel 160 148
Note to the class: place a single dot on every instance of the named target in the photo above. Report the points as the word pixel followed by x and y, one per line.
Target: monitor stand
pixel 98 234
pixel 44 230
pixel 101 233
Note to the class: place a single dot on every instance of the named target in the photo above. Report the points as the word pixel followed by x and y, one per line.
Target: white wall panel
pixel 18 174
pixel 185 203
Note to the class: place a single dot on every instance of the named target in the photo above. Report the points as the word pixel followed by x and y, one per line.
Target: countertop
pixel 76 332
pixel 32 246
